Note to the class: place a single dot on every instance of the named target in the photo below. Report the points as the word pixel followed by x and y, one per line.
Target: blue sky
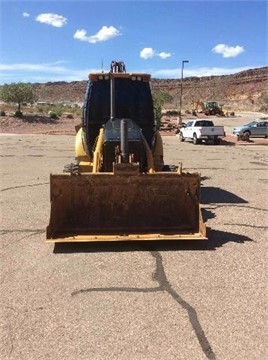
pixel 64 40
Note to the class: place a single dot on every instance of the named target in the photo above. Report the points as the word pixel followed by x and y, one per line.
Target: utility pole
pixel 182 67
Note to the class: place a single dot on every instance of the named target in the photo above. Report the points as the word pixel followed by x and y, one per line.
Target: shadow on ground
pixel 216 195
pixel 215 240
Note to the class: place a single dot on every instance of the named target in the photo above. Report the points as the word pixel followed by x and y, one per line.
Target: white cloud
pixel 104 34
pixel 164 55
pixel 49 67
pixel 25 14
pixel 52 19
pixel 28 72
pixel 228 51
pixel 81 35
pixel 199 72
pixel 148 53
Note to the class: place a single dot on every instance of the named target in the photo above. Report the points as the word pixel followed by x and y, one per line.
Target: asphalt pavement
pixel 137 301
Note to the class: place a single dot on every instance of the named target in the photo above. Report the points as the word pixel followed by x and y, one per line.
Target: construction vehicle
pixel 119 188
pixel 198 107
pixel 207 107
pixel 213 108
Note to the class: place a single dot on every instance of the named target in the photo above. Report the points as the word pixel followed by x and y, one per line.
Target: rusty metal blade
pixel 107 206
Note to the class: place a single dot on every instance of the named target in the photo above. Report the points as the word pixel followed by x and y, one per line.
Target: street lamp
pixel 182 67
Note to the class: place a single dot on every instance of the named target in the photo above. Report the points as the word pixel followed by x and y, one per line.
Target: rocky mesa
pixel 243 91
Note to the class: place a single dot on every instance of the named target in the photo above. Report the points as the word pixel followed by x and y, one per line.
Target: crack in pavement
pixel 23 186
pixel 247 225
pixel 34 231
pixel 29 233
pixel 122 289
pixel 164 285
pixel 192 314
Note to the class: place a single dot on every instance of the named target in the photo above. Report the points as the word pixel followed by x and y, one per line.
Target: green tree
pixel 160 98
pixel 18 93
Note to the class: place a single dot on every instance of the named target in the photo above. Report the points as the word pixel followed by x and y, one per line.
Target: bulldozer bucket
pixel 115 207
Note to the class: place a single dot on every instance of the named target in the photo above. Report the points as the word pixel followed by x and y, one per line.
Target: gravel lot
pixel 137 301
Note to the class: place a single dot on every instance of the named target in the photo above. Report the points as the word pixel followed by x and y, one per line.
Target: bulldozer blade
pixel 115 207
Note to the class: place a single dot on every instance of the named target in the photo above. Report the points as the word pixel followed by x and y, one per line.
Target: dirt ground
pixel 182 300
pixel 133 300
pixel 36 124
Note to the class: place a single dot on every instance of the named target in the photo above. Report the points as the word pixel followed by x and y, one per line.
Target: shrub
pixel 58 109
pixel 172 112
pixel 2 113
pixel 18 114
pixel 264 108
pixel 52 115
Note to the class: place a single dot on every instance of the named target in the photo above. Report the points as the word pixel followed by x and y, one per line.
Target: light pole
pixel 182 67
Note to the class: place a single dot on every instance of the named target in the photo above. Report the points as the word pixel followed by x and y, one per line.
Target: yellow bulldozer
pixel 118 188
pixel 207 108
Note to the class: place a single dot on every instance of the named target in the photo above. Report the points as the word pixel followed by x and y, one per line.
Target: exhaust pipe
pixel 112 97
pixel 123 124
pixel 124 140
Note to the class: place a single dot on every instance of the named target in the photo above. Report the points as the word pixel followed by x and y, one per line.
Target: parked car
pixel 256 128
pixel 201 130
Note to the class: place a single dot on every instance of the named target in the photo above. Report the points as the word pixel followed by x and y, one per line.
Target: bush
pixel 18 114
pixel 40 109
pixel 172 113
pixel 53 115
pixel 2 113
pixel 264 108
pixel 58 110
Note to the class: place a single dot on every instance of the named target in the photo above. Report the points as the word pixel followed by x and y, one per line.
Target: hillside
pixel 243 91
